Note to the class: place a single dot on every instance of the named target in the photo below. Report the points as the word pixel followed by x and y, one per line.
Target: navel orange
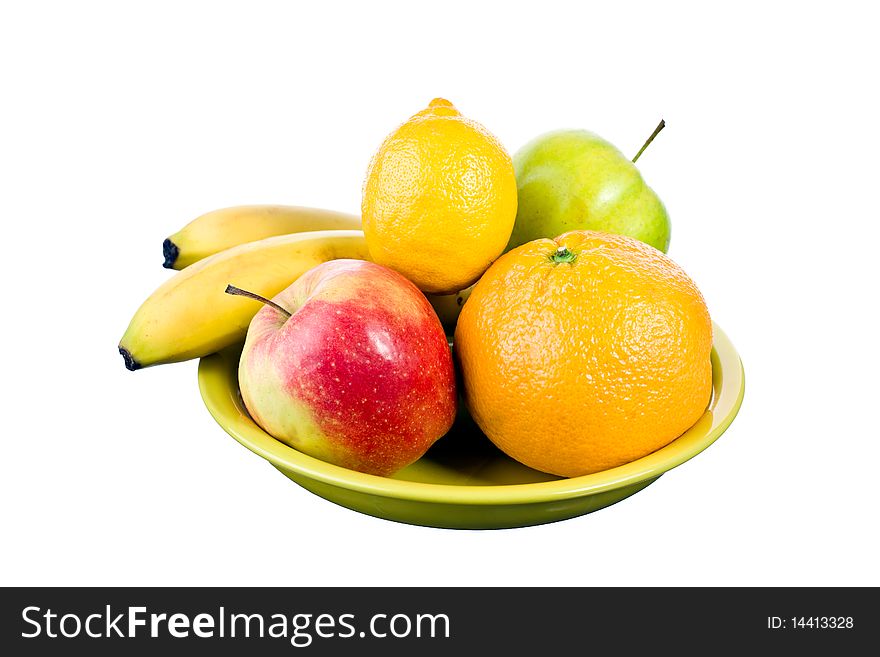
pixel 439 200
pixel 585 352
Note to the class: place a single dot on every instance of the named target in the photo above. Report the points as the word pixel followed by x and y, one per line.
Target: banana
pixel 221 229
pixel 190 316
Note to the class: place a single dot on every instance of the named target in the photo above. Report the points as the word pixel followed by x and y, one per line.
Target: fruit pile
pixel 578 344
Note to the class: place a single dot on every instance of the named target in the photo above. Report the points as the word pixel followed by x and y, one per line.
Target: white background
pixel 120 123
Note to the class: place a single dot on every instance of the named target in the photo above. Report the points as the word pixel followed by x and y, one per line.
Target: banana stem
pixel 656 132
pixel 238 292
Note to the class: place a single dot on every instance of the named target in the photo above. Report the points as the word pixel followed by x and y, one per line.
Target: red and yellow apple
pixel 359 373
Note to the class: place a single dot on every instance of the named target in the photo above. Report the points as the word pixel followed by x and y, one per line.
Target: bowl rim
pixel 728 385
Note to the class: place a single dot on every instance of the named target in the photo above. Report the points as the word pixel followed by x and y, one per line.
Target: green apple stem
pixel 238 292
pixel 656 132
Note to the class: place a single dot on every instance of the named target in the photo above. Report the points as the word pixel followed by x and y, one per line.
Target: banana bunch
pixel 260 248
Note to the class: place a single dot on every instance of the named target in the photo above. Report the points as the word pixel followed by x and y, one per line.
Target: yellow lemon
pixel 439 200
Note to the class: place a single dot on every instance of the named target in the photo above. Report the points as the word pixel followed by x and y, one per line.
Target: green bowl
pixel 464 481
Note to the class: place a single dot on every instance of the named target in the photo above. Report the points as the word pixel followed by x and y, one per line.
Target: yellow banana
pixel 221 229
pixel 190 316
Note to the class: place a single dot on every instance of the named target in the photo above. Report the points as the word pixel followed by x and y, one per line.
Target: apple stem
pixel 656 132
pixel 238 292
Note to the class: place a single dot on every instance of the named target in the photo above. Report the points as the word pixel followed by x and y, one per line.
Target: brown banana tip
pixel 130 362
pixel 170 251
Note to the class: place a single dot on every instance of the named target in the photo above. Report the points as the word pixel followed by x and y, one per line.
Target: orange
pixel 585 352
pixel 439 200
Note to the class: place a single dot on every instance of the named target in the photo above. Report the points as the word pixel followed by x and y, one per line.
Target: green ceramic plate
pixel 464 481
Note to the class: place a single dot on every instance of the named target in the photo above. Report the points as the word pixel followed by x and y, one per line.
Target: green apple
pixel 575 180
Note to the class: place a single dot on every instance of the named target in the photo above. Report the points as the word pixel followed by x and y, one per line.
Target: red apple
pixel 359 373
